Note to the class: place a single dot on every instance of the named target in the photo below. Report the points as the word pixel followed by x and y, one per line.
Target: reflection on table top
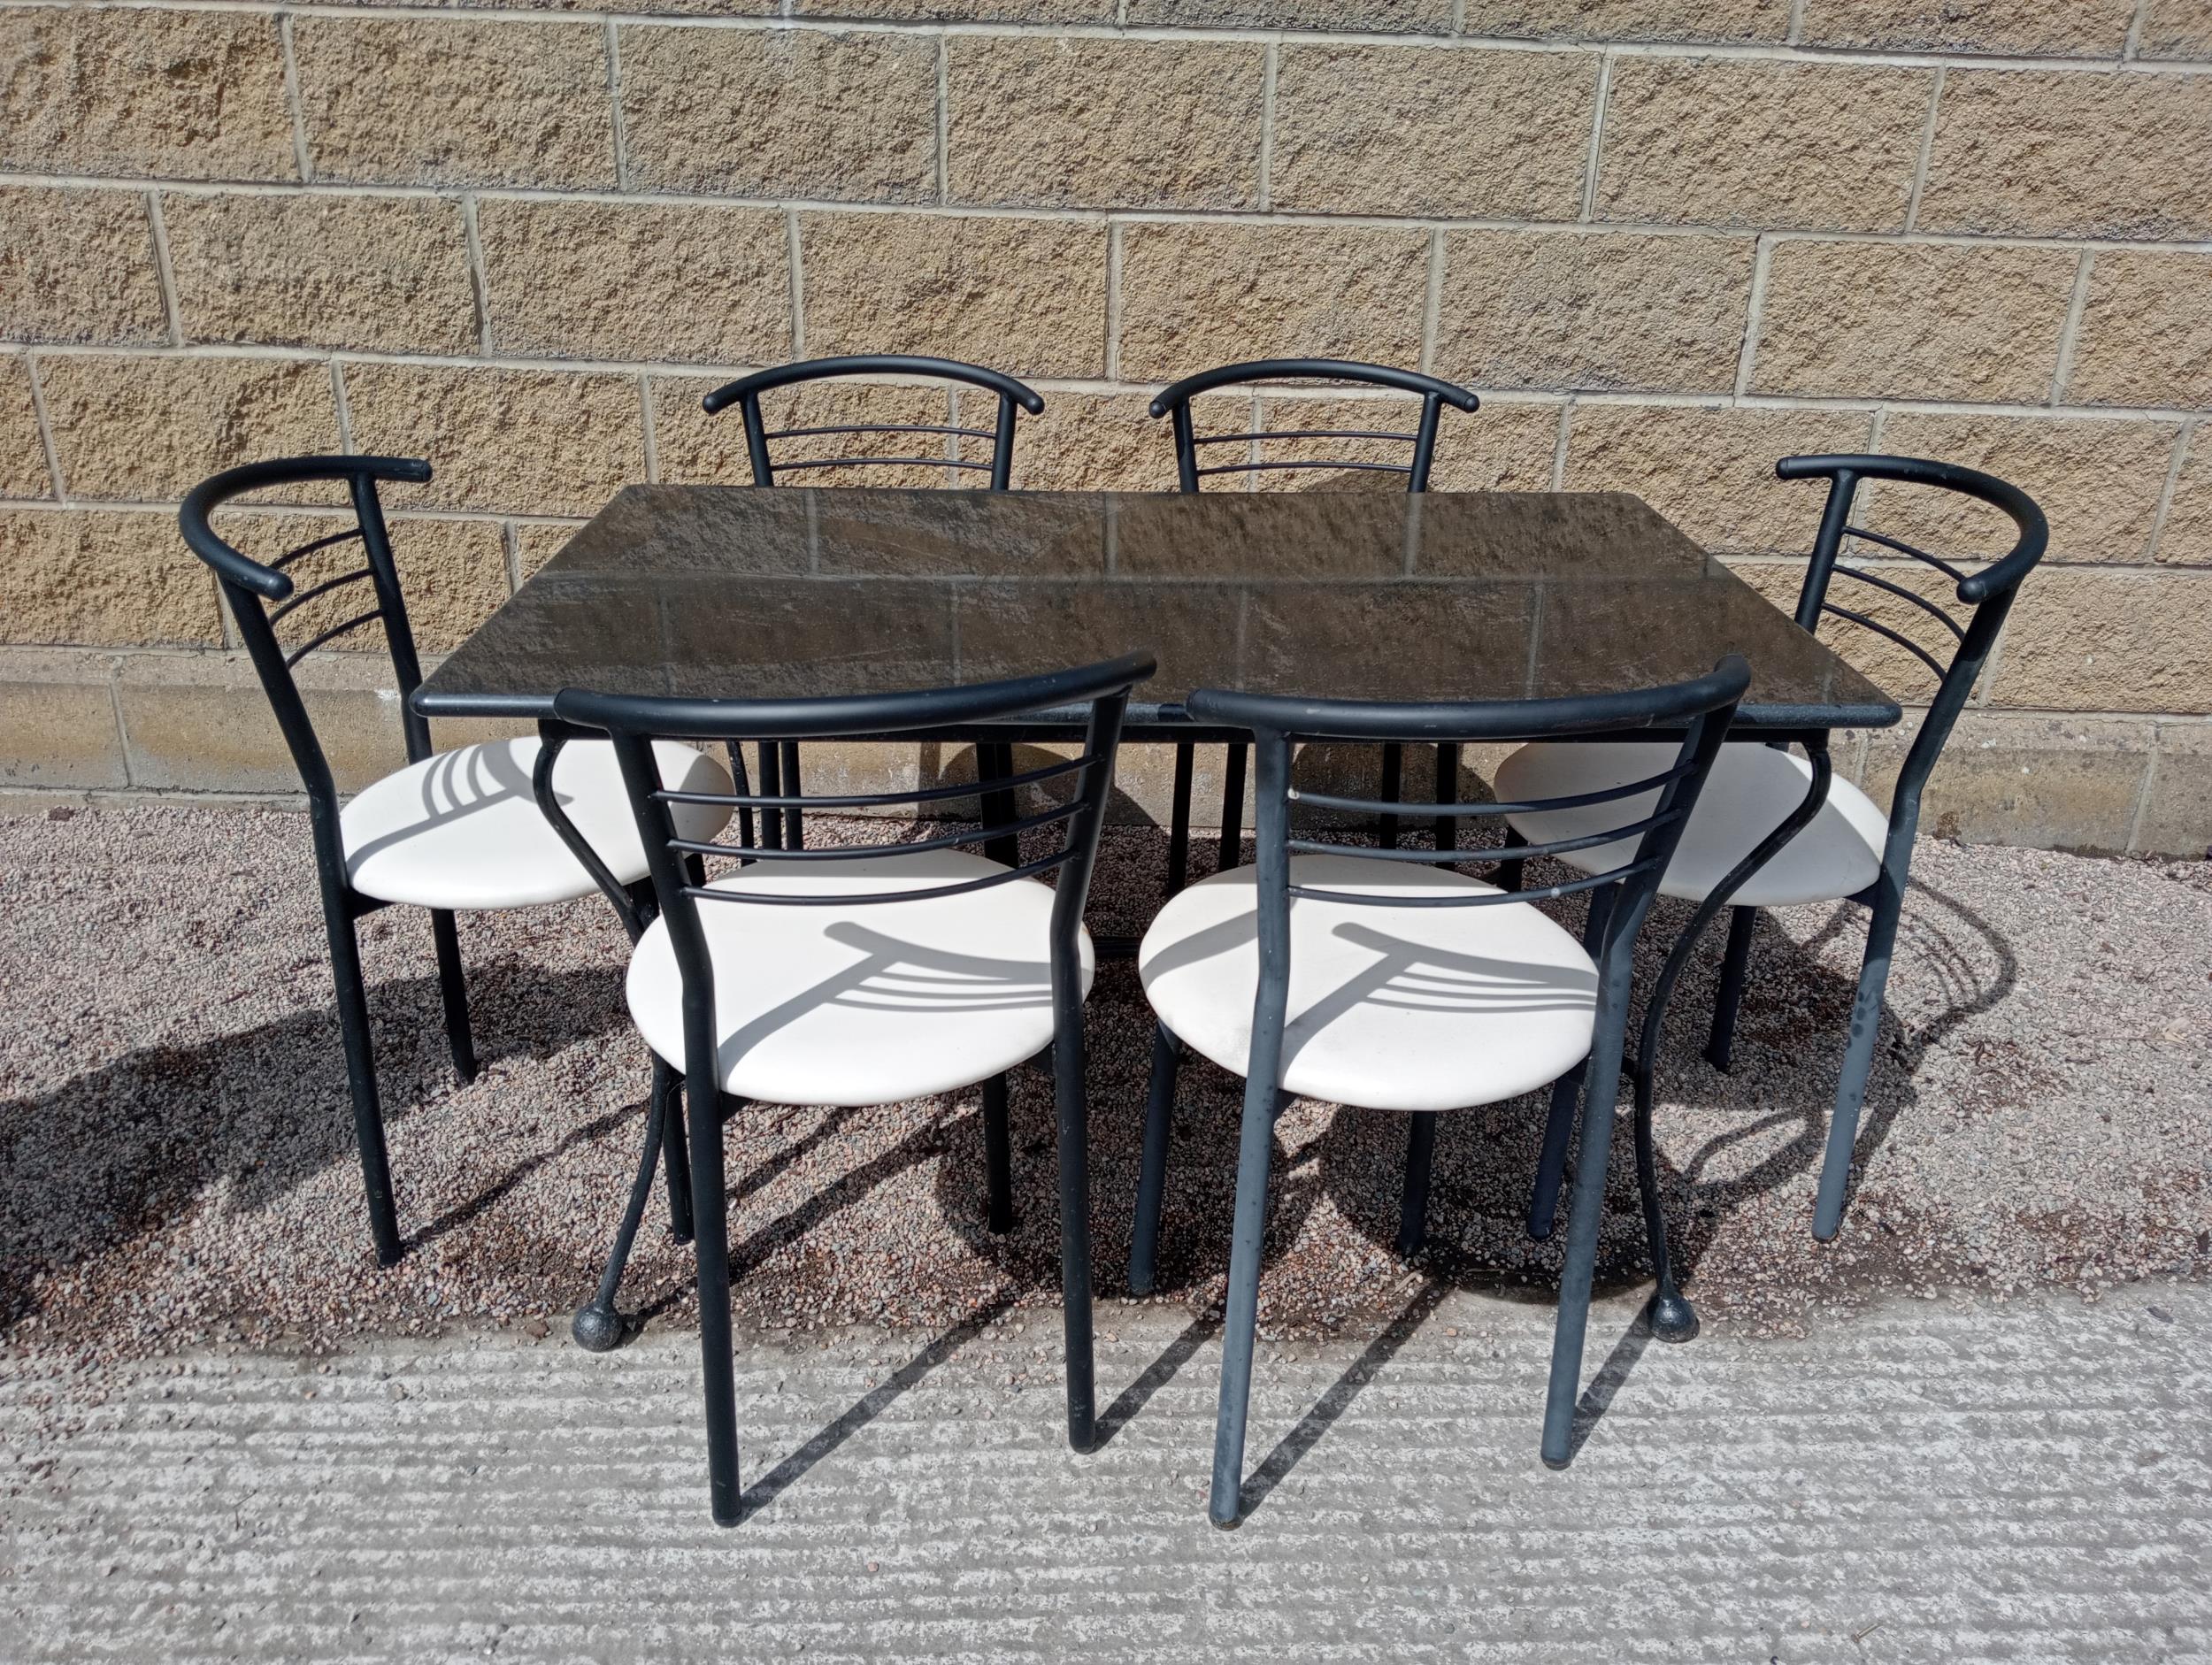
pixel 710 590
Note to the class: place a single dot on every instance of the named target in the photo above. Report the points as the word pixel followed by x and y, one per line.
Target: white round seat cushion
pixel 1395 1008
pixel 1751 790
pixel 863 1003
pixel 463 830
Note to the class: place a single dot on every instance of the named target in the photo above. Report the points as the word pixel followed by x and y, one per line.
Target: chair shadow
pixel 134 1143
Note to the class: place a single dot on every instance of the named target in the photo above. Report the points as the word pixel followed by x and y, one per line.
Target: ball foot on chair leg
pixel 596 1329
pixel 1673 1318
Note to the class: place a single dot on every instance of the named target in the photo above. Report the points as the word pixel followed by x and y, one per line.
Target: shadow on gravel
pixel 127 1147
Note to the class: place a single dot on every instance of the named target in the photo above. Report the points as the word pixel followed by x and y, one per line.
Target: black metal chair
pixel 1380 989
pixel 868 975
pixel 779 768
pixel 1174 403
pixel 452 831
pixel 1775 830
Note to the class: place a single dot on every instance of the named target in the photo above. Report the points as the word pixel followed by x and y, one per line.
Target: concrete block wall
pixel 1667 239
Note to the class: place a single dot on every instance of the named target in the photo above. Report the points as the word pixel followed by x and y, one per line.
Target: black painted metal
pixel 1173 402
pixel 1699 710
pixel 745 393
pixel 258 593
pixel 1989 592
pixel 634 723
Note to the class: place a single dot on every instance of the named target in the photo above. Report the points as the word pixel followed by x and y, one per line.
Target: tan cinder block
pixel 438 102
pixel 2146 334
pixel 2066 153
pixel 2187 538
pixel 929 11
pixel 452 575
pixel 58 720
pixel 146 429
pixel 1573 310
pixel 172 95
pixel 637 280
pixel 382 273
pixel 1913 320
pixel 1900 673
pixel 1023 295
pixel 2177 811
pixel 538 541
pixel 2095 28
pixel 692 445
pixel 2036 782
pixel 1733 142
pixel 2097 481
pixel 1717 20
pixel 755 112
pixel 2176 28
pixel 1359 130
pixel 201 722
pixel 530 441
pixel 23 469
pixel 78 265
pixel 1037 121
pixel 1194 294
pixel 93 577
pixel 1412 17
pixel 1092 442
pixel 2083 640
pixel 1710 469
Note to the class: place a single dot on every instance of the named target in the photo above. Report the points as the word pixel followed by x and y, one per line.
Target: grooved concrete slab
pixel 1943 1479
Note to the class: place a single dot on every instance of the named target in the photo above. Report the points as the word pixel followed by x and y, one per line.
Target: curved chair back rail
pixel 634 722
pixel 1174 402
pixel 261 594
pixel 1989 591
pixel 745 393
pixel 1700 710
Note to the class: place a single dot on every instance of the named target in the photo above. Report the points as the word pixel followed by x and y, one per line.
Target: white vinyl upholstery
pixel 863 1003
pixel 1751 790
pixel 1391 1008
pixel 462 830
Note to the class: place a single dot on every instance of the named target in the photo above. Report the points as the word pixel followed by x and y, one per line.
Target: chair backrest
pixel 1699 710
pixel 1100 691
pixel 745 393
pixel 1988 591
pixel 261 593
pixel 1174 402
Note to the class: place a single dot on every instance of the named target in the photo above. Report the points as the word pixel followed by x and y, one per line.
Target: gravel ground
pixel 176 1143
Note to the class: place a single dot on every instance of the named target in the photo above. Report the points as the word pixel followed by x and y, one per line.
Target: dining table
pixel 737 591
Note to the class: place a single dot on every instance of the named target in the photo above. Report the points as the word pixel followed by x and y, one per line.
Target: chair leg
pixel 744 790
pixel 1393 764
pixel 710 1209
pixel 1178 820
pixel 1858 1056
pixel 1240 1317
pixel 1232 805
pixel 368 1114
pixel 1159 1117
pixel 1732 967
pixel 453 988
pixel 794 820
pixel 1551 1165
pixel 675 1149
pixel 1672 1318
pixel 1509 872
pixel 597 1326
pixel 771 786
pixel 1448 792
pixel 998 1157
pixel 1413 1208
pixel 1072 1107
pixel 1585 1214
